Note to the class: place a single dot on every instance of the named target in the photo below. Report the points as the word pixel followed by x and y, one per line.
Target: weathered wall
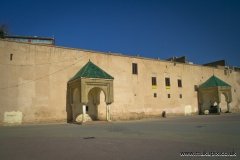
pixel 34 82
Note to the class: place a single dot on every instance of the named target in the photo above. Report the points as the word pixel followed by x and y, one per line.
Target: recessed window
pixel 134 68
pixel 169 96
pixel 180 95
pixel 86 108
pixel 154 83
pixel 167 82
pixel 179 83
pixel 11 56
pixel 155 95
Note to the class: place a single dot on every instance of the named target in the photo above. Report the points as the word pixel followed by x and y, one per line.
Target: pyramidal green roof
pixel 91 70
pixel 213 81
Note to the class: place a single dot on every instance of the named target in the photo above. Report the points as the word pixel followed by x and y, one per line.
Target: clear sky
pixel 203 30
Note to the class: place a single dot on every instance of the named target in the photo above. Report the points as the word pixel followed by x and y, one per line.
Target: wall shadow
pixel 68 105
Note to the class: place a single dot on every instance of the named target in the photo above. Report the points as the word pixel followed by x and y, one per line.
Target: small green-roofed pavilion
pixel 211 91
pixel 212 82
pixel 90 70
pixel 84 91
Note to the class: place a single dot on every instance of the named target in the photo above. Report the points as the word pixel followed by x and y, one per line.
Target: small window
pixel 169 96
pixel 155 95
pixel 167 81
pixel 134 68
pixel 180 95
pixel 86 108
pixel 179 83
pixel 11 56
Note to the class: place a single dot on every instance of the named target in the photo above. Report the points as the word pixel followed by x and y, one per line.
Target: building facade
pixel 35 85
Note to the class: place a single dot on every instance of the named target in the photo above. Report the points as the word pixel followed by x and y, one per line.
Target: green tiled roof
pixel 213 81
pixel 90 70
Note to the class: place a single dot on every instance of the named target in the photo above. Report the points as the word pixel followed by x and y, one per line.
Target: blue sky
pixel 203 30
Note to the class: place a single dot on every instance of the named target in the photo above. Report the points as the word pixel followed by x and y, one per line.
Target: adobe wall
pixel 34 82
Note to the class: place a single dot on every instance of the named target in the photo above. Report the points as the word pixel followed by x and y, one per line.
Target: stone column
pixel 73 112
pixel 83 113
pixel 218 108
pixel 97 112
pixel 228 107
pixel 108 112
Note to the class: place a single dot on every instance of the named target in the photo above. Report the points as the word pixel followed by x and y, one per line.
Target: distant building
pixel 28 39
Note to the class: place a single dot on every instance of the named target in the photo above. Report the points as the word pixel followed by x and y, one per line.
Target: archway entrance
pixel 85 90
pixel 96 105
pixel 224 104
pixel 206 102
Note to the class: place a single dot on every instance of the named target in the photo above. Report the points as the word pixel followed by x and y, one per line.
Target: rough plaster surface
pixel 13 118
pixel 40 91
pixel 188 110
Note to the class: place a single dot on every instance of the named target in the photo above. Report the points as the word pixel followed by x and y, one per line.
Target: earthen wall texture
pixel 34 82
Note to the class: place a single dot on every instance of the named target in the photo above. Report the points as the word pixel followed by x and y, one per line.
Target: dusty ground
pixel 162 138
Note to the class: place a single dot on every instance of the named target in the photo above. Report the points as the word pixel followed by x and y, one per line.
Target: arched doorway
pixel 96 105
pixel 224 103
pixel 206 102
